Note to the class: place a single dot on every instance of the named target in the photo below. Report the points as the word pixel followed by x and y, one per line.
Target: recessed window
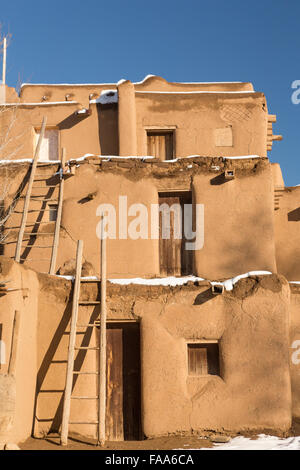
pixel 52 212
pixel 203 359
pixel 160 144
pixel 49 146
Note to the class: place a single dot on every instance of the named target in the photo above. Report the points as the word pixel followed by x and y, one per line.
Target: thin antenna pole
pixel 4 61
pixel 102 349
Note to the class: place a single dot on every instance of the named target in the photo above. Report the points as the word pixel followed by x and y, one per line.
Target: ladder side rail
pixel 59 214
pixel 71 350
pixel 29 190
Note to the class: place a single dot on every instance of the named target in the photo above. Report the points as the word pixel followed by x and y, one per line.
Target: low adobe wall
pixel 18 388
pixel 252 327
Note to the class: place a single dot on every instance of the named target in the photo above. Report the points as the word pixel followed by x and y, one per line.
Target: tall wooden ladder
pixel 101 348
pixel 43 199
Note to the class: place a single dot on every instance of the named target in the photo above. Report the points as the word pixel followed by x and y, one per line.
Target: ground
pixel 247 441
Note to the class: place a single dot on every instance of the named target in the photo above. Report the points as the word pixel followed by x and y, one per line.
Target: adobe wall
pixel 238 215
pixel 287 233
pixel 251 324
pixel 198 118
pixel 295 348
pixel 79 134
pixel 17 390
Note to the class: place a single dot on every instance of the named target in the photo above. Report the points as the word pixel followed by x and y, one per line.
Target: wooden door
pixel 175 260
pixel 160 145
pixel 123 406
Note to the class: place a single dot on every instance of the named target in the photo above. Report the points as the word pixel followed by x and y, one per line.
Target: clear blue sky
pixel 88 41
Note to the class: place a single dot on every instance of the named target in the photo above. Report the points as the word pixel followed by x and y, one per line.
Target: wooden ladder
pixel 29 197
pixel 101 372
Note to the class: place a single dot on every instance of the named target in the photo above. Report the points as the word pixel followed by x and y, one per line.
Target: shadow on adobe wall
pixel 294 216
pixel 108 128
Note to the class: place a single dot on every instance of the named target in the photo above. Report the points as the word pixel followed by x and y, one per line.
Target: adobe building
pixel 197 340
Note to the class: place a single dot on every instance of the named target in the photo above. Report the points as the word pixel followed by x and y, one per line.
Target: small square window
pixel 203 359
pixel 52 212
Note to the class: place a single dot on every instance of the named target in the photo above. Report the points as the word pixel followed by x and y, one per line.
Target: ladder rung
pixel 34 234
pixel 34 259
pixel 86 347
pixel 38 223
pixel 85 373
pixel 33 210
pixel 84 398
pixel 88 302
pixel 83 422
pixel 87 325
pixel 34 197
pixel 46 187
pixel 90 280
pixel 33 246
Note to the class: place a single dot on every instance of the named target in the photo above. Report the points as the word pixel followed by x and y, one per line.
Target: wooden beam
pixel 102 348
pixel 71 351
pixel 272 117
pixel 4 61
pixel 29 190
pixel 59 214
pixel 12 367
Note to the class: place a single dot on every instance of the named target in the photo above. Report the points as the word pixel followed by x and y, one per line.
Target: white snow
pixel 42 103
pixel 107 97
pixel 229 283
pixel 193 92
pixel 241 157
pixel 178 281
pixel 263 442
pixel 166 281
pixel 82 111
pixel 121 81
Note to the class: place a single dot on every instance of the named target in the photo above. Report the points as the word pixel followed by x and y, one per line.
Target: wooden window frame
pixel 159 129
pixel 202 344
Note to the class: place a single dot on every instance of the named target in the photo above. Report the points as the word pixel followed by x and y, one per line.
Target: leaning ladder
pixel 101 397
pixel 29 197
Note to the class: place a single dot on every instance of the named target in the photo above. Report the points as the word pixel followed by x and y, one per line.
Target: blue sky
pixel 94 41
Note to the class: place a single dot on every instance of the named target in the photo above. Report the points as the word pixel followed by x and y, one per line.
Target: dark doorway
pixel 175 260
pixel 123 393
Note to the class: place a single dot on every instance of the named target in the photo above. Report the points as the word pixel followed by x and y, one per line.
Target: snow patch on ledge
pixel 107 97
pixel 28 160
pixel 229 283
pixel 144 157
pixel 175 281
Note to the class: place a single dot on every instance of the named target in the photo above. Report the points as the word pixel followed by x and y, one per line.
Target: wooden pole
pixel 4 61
pixel 71 351
pixel 14 344
pixel 59 214
pixel 102 349
pixel 28 194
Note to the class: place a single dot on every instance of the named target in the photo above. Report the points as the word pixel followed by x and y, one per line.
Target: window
pixel 203 359
pixel 52 212
pixel 160 144
pixel 49 147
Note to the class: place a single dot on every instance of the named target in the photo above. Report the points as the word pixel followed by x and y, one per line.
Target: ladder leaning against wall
pixel 29 197
pixel 101 349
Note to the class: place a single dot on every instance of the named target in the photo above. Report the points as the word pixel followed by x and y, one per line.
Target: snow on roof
pixel 174 160
pixel 66 84
pixel 40 103
pixel 106 97
pixel 27 160
pixel 177 281
pixel 193 92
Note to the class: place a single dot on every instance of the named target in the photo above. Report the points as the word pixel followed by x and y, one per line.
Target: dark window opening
pixel 203 359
